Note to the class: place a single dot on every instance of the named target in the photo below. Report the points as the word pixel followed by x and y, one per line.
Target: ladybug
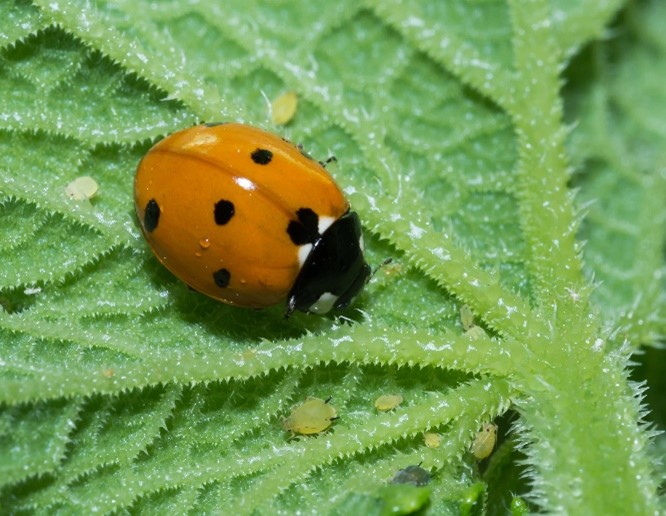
pixel 248 218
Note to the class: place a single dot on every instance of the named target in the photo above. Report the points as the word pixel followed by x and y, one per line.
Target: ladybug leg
pixel 330 159
pixel 291 306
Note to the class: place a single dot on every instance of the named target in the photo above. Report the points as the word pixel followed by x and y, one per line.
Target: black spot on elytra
pixel 306 229
pixel 223 212
pixel 151 216
pixel 222 278
pixel 262 156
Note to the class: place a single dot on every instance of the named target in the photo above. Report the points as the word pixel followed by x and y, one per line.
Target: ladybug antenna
pixel 374 271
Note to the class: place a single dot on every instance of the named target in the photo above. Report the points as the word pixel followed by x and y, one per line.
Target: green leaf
pixel 507 155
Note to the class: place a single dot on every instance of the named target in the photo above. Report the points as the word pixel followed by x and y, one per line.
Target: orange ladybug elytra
pixel 246 217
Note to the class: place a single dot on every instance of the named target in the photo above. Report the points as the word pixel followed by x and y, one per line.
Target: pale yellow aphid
pixel 466 317
pixel 432 440
pixel 283 108
pixel 388 402
pixel 84 187
pixel 467 320
pixel 484 442
pixel 310 417
pixel 475 332
pixel 392 268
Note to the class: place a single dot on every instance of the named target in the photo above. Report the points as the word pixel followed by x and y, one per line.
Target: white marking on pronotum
pixel 303 253
pixel 324 224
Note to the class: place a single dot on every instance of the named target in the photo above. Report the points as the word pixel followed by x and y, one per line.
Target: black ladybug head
pixel 335 270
